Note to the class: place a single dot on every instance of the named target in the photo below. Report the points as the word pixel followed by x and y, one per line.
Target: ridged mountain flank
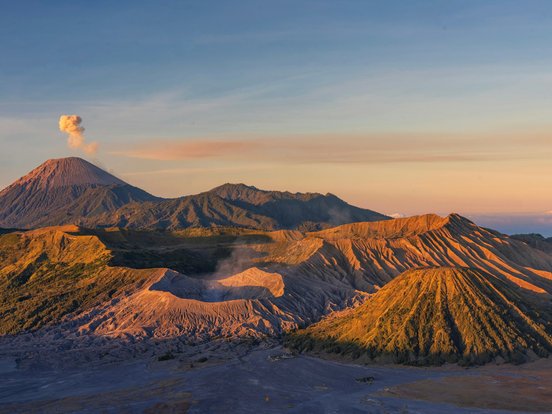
pixel 436 315
pixel 63 172
pixel 61 191
pixel 239 205
pixel 74 191
pixel 235 282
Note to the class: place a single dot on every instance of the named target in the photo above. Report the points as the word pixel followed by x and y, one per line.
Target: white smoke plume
pixel 397 215
pixel 71 125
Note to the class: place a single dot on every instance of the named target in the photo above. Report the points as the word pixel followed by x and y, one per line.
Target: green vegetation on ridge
pixel 436 315
pixel 46 276
pixel 48 273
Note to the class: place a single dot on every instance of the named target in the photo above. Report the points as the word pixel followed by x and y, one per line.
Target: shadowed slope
pixel 201 210
pixel 535 240
pixel 238 205
pixel 429 316
pixel 305 211
pixel 254 196
pixel 74 191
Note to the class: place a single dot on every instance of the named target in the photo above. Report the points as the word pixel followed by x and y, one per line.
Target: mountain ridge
pixel 238 282
pixel 256 196
pixel 259 209
pixel 74 191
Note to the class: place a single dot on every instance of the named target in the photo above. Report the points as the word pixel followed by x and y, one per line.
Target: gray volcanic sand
pixel 256 384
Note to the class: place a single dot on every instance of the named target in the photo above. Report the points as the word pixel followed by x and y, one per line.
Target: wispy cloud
pixel 173 150
pixel 198 170
pixel 343 148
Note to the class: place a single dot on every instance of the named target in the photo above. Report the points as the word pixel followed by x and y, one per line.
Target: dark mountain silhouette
pixel 296 210
pixel 238 205
pixel 74 191
pixel 535 240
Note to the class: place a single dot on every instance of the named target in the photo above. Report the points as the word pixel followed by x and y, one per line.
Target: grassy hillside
pixel 437 315
pixel 47 274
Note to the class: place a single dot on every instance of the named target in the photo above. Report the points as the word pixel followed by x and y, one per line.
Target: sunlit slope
pixel 48 273
pixel 430 316
pixel 379 251
pixel 82 281
pixel 320 272
pixel 175 305
pixel 203 282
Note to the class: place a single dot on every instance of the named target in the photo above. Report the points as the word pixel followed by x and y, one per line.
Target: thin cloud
pixel 197 170
pixel 188 150
pixel 338 149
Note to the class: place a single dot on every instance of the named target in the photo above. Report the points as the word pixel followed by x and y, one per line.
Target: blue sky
pixel 418 95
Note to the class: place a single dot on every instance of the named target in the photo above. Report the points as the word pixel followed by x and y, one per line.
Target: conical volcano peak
pixel 436 315
pixel 69 171
pixel 64 191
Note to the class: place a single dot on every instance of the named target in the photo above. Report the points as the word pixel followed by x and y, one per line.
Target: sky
pixel 405 107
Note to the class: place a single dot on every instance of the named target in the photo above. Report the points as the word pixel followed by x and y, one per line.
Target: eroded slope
pixel 63 191
pixel 200 283
pixel 49 273
pixel 435 315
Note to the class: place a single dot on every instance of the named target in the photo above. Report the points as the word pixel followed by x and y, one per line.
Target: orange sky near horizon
pixel 405 173
pixel 409 108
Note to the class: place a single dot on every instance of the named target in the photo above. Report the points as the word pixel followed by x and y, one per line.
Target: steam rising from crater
pixel 71 125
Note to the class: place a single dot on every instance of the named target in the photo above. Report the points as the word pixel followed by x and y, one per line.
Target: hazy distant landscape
pixel 310 207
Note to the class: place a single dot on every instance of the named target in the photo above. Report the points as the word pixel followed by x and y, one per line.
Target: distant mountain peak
pixel 233 190
pixel 235 186
pixel 62 191
pixel 72 190
pixel 256 196
pixel 61 172
pixel 243 192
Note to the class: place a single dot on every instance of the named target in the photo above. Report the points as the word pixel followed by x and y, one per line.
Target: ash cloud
pixel 71 125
